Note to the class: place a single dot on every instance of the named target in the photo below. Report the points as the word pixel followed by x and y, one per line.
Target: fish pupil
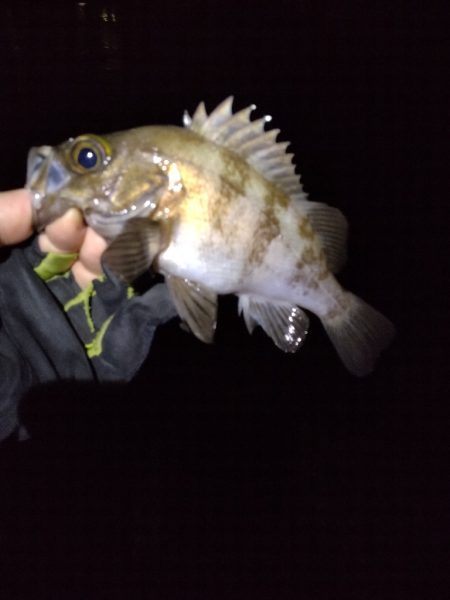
pixel 87 158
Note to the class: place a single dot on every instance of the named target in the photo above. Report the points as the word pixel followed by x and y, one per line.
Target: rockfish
pixel 217 208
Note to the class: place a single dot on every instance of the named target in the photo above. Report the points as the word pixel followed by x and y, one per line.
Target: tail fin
pixel 359 334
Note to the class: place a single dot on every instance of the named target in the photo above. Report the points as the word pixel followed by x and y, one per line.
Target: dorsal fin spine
pixel 266 138
pixel 249 140
pixel 218 117
pixel 236 122
pixel 199 117
pixel 240 137
pixel 275 151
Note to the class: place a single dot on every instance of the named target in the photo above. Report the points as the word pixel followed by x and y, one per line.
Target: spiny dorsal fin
pixel 249 139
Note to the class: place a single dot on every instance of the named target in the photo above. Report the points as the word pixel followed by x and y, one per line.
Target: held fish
pixel 217 208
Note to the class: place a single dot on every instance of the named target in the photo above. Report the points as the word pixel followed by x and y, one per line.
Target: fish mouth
pixel 37 157
pixel 43 215
pixel 46 176
pixel 45 173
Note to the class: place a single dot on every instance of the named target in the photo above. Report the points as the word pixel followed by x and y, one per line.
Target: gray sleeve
pixel 130 333
pixel 15 380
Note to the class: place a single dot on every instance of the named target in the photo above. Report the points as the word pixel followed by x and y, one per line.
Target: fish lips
pixel 46 176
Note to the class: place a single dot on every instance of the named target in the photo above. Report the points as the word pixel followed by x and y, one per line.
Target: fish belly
pixel 212 240
pixel 275 272
pixel 187 261
pixel 250 242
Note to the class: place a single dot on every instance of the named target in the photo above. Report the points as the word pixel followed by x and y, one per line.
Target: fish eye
pixel 87 158
pixel 88 153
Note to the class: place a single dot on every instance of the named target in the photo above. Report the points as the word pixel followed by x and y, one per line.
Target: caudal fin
pixel 359 334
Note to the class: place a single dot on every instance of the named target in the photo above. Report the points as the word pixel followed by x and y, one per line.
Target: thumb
pixel 15 216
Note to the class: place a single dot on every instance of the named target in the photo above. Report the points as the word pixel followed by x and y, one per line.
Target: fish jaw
pixel 46 176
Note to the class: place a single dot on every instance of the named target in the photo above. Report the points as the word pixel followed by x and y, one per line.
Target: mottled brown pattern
pixel 224 196
pixel 304 275
pixel 309 256
pixel 310 268
pixel 267 230
pixel 323 271
pixel 235 171
pixel 305 229
pixel 279 198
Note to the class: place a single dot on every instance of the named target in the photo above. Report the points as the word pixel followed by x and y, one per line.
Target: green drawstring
pixel 84 297
pixel 54 264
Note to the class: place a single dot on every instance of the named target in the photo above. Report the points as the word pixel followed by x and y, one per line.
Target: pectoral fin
pixel 197 306
pixel 287 325
pixel 133 251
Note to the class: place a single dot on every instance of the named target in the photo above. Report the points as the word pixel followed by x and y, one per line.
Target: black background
pixel 236 471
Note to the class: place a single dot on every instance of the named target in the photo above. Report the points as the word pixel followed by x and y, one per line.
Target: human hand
pixel 69 234
pixel 102 333
pixel 15 217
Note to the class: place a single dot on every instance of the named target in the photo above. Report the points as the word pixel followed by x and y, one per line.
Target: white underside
pixel 217 267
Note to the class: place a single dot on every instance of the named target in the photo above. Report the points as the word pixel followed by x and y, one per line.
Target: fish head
pixel 110 179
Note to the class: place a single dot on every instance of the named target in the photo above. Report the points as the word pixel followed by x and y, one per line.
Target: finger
pixel 15 216
pixel 88 266
pixel 66 234
pixel 91 251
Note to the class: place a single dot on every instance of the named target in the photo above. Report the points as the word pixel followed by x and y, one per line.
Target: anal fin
pixel 287 325
pixel 196 306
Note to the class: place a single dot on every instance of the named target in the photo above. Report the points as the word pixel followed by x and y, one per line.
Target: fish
pixel 217 208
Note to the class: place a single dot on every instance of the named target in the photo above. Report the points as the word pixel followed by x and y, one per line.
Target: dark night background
pixel 235 471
